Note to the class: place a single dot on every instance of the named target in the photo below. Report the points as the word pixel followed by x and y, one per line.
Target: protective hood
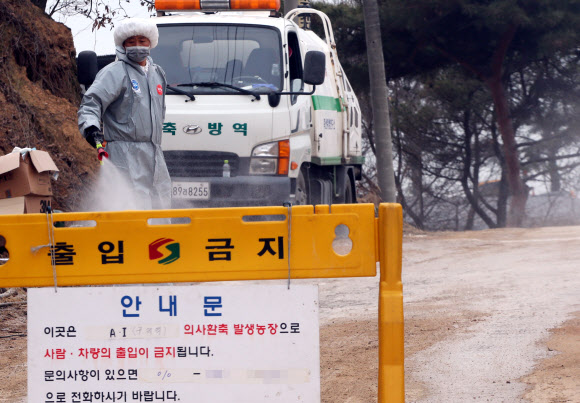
pixel 136 26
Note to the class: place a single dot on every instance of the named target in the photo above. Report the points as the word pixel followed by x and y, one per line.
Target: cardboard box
pixel 25 205
pixel 31 175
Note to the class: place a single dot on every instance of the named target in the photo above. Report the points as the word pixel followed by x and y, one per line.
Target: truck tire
pixel 344 186
pixel 348 198
pixel 301 197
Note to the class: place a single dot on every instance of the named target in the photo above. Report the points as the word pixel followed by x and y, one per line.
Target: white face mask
pixel 137 53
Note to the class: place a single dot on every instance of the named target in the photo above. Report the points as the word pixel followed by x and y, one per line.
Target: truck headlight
pixel 270 158
pixel 263 166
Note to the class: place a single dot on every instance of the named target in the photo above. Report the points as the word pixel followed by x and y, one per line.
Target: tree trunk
pixel 380 101
pixel 503 192
pixel 415 164
pixel 473 200
pixel 517 189
pixel 555 177
pixel 417 177
pixel 502 199
pixel 470 220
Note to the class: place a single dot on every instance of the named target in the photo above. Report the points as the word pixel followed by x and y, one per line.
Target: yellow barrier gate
pixel 254 243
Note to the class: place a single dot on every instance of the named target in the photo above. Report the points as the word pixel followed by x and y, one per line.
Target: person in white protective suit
pixel 128 97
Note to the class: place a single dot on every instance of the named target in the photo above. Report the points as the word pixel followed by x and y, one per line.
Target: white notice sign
pixel 174 344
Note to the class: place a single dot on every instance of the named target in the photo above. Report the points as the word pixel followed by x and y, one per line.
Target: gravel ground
pixel 523 282
pixel 478 310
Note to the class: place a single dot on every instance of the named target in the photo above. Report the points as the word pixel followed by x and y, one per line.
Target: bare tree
pixel 101 12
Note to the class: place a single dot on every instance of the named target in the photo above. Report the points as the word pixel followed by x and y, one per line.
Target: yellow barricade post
pixel 391 330
pixel 122 248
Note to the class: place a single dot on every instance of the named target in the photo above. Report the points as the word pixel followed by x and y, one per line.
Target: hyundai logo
pixel 192 129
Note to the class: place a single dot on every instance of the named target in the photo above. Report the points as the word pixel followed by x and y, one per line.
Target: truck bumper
pixel 239 191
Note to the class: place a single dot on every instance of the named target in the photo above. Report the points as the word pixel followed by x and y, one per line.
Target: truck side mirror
pixel 87 67
pixel 314 67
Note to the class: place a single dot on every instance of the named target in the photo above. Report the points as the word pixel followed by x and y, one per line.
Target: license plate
pixel 190 190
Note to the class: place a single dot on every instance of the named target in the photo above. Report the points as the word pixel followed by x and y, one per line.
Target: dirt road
pixel 490 316
pixel 479 307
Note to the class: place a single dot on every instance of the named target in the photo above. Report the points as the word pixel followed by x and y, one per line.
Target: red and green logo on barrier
pixel 170 251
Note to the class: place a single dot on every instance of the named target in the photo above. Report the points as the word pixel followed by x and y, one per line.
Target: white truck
pixel 259 110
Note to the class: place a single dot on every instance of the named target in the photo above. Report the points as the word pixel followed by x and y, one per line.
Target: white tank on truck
pixel 258 110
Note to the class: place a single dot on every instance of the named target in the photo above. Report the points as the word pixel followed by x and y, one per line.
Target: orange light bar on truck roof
pixel 184 5
pixel 255 4
pixel 177 5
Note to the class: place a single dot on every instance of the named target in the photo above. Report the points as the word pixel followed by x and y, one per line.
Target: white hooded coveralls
pixel 131 106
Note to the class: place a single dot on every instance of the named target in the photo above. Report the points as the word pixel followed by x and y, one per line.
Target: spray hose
pixel 101 153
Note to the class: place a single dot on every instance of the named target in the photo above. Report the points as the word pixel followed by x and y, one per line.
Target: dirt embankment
pixel 39 96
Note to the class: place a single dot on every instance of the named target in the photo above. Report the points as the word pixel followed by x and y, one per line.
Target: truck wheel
pixel 348 199
pixel 301 190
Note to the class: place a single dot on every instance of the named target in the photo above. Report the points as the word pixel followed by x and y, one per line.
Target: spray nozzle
pixel 101 153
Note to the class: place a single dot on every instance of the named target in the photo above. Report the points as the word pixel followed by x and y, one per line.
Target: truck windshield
pixel 247 57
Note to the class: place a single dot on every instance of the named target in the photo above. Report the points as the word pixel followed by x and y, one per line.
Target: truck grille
pixel 184 164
